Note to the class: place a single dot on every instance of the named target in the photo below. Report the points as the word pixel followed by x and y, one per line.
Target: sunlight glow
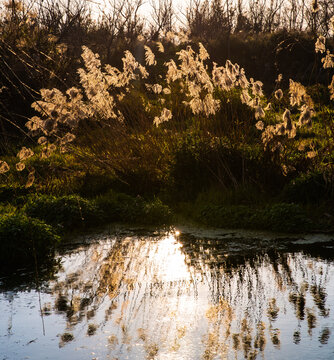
pixel 169 261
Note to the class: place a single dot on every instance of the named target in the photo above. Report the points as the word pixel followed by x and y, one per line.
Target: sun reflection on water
pixel 168 262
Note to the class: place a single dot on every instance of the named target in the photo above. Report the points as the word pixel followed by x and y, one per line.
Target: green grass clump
pixel 6 208
pixel 120 207
pixel 65 211
pixel 155 212
pixel 283 217
pixel 125 208
pixel 74 211
pixel 22 239
pixel 229 216
pixel 279 217
pixel 307 188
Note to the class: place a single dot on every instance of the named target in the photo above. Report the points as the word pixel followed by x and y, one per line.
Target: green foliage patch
pixel 24 240
pixel 307 188
pixel 279 217
pixel 125 208
pixel 67 211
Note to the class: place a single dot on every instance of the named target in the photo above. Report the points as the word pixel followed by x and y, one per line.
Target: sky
pixel 146 8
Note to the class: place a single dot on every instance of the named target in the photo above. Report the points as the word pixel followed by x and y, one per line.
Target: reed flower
pixel 173 72
pixel 67 139
pixel 25 153
pixel 328 60
pixel 245 98
pixel 177 38
pixel 279 94
pixel 287 119
pixel 4 167
pixel 170 36
pixel 20 166
pixel 183 37
pixel 164 116
pixel 157 88
pixel 203 54
pixel 267 135
pixel 160 47
pixel 208 105
pixel 34 124
pixel 311 154
pixel 31 179
pixel 279 78
pixel 42 140
pixel 221 78
pixel 48 150
pixel 242 79
pixel 254 103
pixel 298 95
pixel 269 107
pixel 320 44
pixel 259 125
pixel 279 129
pixel 305 117
pixel 257 88
pixel 149 56
pixel 102 88
pixel 259 112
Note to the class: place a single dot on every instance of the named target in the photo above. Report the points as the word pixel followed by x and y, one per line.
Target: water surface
pixel 181 294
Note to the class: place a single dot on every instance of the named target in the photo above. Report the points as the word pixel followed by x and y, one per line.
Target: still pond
pixel 179 294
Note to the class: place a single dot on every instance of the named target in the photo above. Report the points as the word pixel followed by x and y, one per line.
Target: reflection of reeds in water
pixel 151 351
pixel 285 270
pixel 65 338
pixel 91 329
pixel 145 288
pixel 296 337
pixel 274 336
pixel 311 320
pixel 219 317
pixel 298 300
pixel 272 310
pixel 260 339
pixel 319 297
pixel 112 341
pixel 324 336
